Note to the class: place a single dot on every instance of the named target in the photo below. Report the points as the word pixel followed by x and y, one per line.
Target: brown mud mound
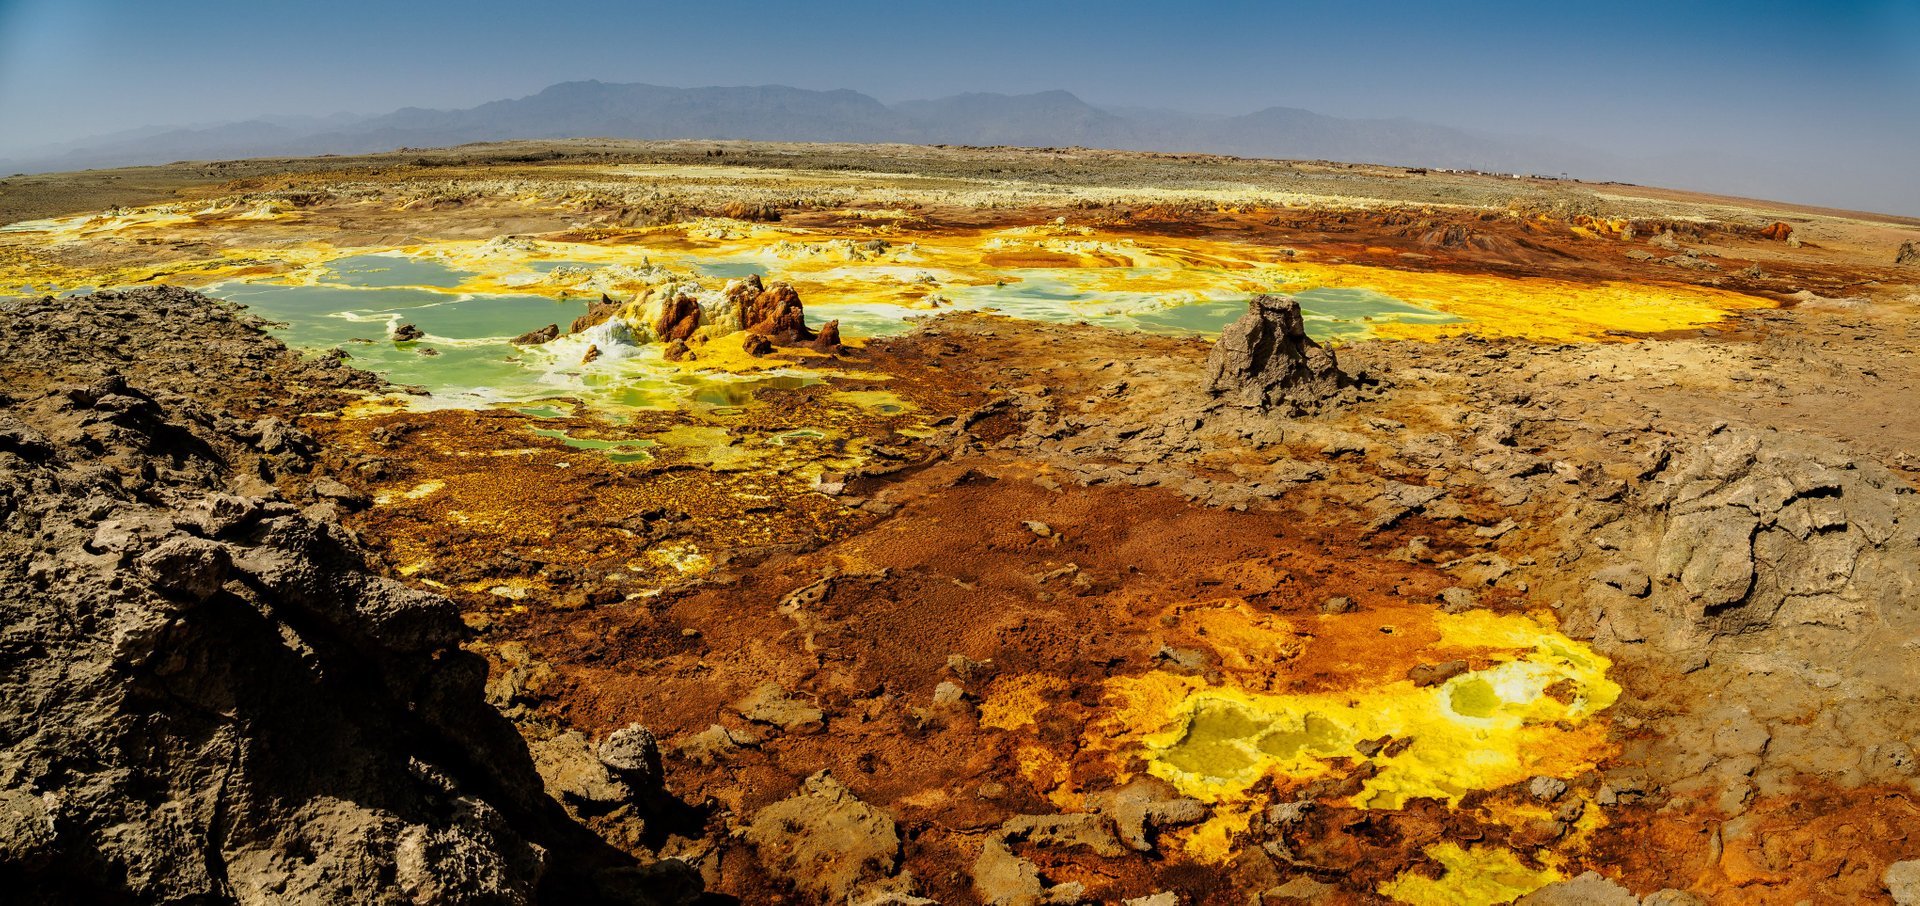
pixel 207 696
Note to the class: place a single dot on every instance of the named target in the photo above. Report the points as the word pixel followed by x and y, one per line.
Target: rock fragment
pixel 1435 674
pixel 1902 880
pixel 536 337
pixel 633 753
pixel 597 313
pixel 575 776
pixel 769 704
pixel 1588 889
pixel 193 568
pixel 1145 805
pixel 829 844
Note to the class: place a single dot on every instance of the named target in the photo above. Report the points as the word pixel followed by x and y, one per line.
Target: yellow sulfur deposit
pixel 874 276
pixel 1526 710
pixel 1474 877
pixel 1536 308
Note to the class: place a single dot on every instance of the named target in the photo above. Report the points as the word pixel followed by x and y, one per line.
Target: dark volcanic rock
pixel 1266 361
pixel 407 333
pixel 206 696
pixel 1909 253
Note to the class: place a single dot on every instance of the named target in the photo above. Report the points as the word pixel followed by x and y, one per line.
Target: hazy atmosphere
pixel 1815 103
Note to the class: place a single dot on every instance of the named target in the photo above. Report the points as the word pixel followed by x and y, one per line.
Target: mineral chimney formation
pixel 1266 361
pixel 1909 253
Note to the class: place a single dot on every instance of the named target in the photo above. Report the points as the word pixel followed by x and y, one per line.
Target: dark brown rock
pixel 1909 253
pixel 679 318
pixel 828 340
pixel 536 337
pixel 191 567
pixel 755 344
pixel 1435 674
pixel 778 315
pixel 407 333
pixel 597 313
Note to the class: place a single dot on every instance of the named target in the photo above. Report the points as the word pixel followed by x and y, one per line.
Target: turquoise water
pixel 472 363
pixel 1331 313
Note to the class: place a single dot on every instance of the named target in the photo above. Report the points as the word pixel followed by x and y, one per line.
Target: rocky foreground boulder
pixel 206 695
pixel 1266 361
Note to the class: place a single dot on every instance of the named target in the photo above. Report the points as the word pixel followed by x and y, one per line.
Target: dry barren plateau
pixel 707 522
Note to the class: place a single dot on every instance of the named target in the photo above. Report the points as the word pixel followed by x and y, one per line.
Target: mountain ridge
pixel 1056 118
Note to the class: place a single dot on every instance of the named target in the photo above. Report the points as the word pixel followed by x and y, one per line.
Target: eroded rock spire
pixel 1266 361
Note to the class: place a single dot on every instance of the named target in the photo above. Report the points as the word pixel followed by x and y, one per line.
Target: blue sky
pixel 1833 85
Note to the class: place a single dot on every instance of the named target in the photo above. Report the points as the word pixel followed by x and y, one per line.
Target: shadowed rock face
pixel 206 694
pixel 1266 361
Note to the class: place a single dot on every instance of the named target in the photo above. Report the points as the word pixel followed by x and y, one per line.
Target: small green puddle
pixel 634 450
pixel 787 437
pixel 1216 741
pixel 885 402
pixel 1474 697
pixel 734 394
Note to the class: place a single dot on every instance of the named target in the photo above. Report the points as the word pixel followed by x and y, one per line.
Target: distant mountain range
pixel 778 113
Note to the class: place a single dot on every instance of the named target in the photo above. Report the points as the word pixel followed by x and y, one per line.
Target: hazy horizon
pixel 1827 97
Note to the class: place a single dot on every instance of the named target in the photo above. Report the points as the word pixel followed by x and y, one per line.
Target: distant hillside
pixel 779 113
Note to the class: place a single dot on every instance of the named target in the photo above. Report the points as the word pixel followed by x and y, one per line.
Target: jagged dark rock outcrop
pixel 1909 253
pixel 1266 361
pixel 207 697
